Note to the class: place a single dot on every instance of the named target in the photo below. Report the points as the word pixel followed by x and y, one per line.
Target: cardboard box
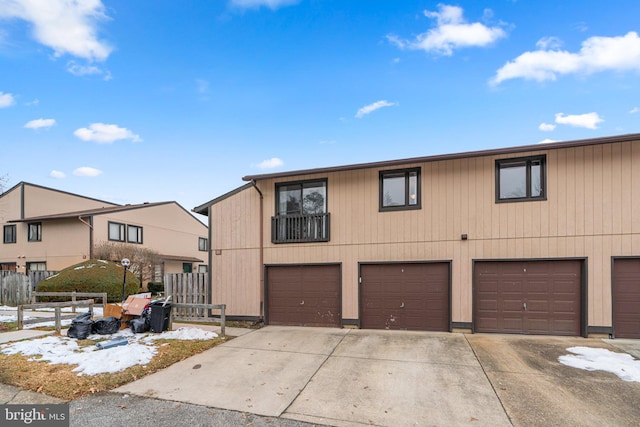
pixel 134 305
pixel 113 310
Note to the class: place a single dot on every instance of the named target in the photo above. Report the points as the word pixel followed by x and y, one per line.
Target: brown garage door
pixel 626 298
pixel 413 296
pixel 528 297
pixel 304 295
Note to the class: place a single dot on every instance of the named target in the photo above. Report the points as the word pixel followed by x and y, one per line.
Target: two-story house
pixel 539 239
pixel 48 229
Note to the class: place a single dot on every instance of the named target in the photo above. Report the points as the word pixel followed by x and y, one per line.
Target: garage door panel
pixel 532 297
pixel 411 296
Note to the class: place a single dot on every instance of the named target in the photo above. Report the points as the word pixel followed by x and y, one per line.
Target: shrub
pixel 90 276
pixel 155 287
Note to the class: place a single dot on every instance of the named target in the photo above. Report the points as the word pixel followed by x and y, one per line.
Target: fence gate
pixel 187 288
pixel 15 289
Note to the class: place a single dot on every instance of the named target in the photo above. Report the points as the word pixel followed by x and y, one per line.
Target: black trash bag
pixel 106 326
pixel 80 326
pixel 142 323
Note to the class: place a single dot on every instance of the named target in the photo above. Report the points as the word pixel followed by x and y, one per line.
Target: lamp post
pixel 125 263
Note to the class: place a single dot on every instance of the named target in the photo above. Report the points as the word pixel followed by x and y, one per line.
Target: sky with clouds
pixel 134 101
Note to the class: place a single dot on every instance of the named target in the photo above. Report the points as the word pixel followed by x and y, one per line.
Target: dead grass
pixel 59 381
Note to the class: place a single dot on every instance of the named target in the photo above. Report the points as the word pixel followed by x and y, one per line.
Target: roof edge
pixel 467 154
pixel 203 209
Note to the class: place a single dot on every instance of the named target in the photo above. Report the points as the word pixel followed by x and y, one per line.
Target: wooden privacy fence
pixel 187 288
pixel 15 289
pixel 73 295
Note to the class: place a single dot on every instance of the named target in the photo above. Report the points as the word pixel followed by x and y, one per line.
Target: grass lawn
pixel 58 380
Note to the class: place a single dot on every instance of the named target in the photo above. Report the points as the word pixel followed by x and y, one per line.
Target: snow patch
pixel 600 359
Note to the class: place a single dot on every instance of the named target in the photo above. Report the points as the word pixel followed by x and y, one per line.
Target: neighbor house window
pixel 116 232
pixel 301 212
pixel 35 232
pixel 202 268
pixel 36 266
pixel 134 234
pixel 521 179
pixel 187 267
pixel 202 244
pixel 400 189
pixel 9 234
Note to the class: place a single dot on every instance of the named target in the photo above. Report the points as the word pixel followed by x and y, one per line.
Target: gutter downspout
pixel 253 183
pixel 90 225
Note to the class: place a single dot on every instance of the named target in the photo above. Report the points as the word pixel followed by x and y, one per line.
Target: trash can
pixel 159 316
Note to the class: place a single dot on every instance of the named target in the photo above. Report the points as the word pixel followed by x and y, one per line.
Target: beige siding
pixel 44 201
pixel 592 211
pixel 235 246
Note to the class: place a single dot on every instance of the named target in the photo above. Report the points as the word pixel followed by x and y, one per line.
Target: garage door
pixel 304 295
pixel 528 297
pixel 413 296
pixel 626 298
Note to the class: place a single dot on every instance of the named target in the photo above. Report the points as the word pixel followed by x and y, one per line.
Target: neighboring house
pixel 47 229
pixel 539 239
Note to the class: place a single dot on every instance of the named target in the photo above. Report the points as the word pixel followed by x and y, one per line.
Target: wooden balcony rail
pixel 300 228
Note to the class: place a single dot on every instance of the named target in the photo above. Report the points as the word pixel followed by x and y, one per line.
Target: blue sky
pixel 134 101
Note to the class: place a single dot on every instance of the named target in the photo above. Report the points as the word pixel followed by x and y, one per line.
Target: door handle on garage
pixel 302 303
pixel 402 305
pixel 524 305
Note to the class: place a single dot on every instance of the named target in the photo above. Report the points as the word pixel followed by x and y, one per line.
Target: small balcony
pixel 300 228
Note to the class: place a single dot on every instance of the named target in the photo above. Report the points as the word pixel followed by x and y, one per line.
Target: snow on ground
pixel 600 359
pixel 91 360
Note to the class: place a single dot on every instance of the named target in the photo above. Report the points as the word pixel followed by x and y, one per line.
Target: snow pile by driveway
pixel 600 359
pixel 91 360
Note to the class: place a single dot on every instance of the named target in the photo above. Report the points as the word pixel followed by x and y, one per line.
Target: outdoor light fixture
pixel 125 263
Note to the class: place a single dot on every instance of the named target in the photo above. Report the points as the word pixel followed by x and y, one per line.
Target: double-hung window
pixel 35 232
pixel 202 244
pixel 134 234
pixel 9 234
pixel 301 212
pixel 521 179
pixel 400 189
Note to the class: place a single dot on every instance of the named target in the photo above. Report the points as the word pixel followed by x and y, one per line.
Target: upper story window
pixel 301 212
pixel 9 234
pixel 35 232
pixel 116 232
pixel 134 234
pixel 521 179
pixel 400 189
pixel 202 244
pixel 36 266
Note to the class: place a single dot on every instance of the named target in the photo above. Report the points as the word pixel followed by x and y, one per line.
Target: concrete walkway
pixel 339 377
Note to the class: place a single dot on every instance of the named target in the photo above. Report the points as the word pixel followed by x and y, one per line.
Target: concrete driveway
pixel 346 377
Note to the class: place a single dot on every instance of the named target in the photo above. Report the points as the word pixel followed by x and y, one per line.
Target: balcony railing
pixel 300 228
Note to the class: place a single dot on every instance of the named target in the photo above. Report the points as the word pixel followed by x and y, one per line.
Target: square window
pixel 36 266
pixel 187 267
pixel 134 234
pixel 116 232
pixel 202 268
pixel 202 244
pixel 35 232
pixel 521 179
pixel 400 189
pixel 9 234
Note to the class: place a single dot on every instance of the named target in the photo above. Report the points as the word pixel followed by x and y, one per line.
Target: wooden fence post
pixel 58 320
pixel 223 319
pixel 20 317
pixel 73 299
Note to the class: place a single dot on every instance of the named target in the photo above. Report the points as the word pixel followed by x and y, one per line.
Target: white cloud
pixel 254 4
pixel 57 174
pixel 33 103
pixel 66 26
pixel 547 127
pixel 203 86
pixel 634 110
pixel 368 109
pixel 274 162
pixel 547 141
pixel 597 54
pixel 452 32
pixel 87 171
pixel 6 100
pixel 549 43
pixel 105 134
pixel 588 120
pixel 40 123
pixel 87 70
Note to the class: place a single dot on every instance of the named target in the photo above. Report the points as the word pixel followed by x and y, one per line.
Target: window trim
pixel 203 247
pixel 407 171
pixel 140 241
pixel 542 158
pixel 14 234
pixel 38 237
pixel 123 231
